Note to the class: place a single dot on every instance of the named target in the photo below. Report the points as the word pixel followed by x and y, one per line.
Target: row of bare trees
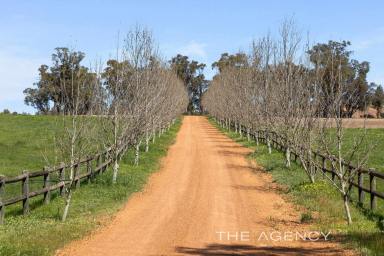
pixel 283 86
pixel 131 101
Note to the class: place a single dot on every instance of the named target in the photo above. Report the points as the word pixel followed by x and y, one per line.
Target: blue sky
pixel 30 30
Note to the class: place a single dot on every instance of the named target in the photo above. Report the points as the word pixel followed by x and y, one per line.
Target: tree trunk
pixel 288 157
pixel 137 154
pixel 146 141
pixel 115 128
pixel 115 171
pixel 67 203
pixel 311 173
pixel 269 145
pixel 240 131
pixel 347 210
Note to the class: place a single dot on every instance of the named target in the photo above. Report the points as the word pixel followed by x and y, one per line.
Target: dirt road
pixel 206 200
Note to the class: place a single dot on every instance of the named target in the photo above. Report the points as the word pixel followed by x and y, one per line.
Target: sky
pixel 202 30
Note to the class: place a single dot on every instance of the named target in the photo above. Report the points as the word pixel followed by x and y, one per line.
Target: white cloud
pixel 194 49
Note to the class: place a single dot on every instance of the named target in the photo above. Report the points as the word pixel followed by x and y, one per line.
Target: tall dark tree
pixel 56 83
pixel 357 97
pixel 377 98
pixel 39 97
pixel 191 73
pixel 228 60
pixel 339 72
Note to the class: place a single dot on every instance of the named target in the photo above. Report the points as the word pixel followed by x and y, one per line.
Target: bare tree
pixel 74 131
pixel 291 95
pixel 345 163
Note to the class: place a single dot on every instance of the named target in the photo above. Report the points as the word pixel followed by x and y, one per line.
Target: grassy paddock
pixel 25 141
pixel 373 142
pixel 322 204
pixel 93 205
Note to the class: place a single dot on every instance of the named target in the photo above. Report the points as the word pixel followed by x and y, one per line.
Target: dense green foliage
pixel 231 60
pixel 56 82
pixel 377 98
pixel 191 73
pixel 352 72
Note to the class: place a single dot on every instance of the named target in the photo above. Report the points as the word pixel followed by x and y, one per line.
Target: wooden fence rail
pixel 364 176
pixel 93 165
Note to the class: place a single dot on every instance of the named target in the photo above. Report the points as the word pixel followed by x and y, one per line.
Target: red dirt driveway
pixel 207 199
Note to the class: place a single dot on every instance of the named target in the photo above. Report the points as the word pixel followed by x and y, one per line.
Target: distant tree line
pixel 50 94
pixel 8 112
pixel 358 95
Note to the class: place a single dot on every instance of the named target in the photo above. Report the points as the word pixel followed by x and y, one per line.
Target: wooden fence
pixel 91 167
pixel 366 178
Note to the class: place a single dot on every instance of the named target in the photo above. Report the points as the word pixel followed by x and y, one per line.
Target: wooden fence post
pixel 350 180
pixel 315 161
pixel 2 193
pixel 273 140
pixel 263 137
pixel 324 165
pixel 372 188
pixel 47 194
pixel 360 181
pixel 89 170
pixel 25 192
pixel 103 159
pixel 62 178
pixel 98 161
pixel 76 174
pixel 106 159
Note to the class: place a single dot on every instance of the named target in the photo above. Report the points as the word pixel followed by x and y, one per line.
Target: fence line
pixel 93 165
pixel 370 174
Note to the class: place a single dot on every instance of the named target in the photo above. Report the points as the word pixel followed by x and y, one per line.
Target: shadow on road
pixel 242 250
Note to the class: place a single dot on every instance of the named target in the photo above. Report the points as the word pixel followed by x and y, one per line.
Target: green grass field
pixel 322 203
pixel 23 141
pixel 374 137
